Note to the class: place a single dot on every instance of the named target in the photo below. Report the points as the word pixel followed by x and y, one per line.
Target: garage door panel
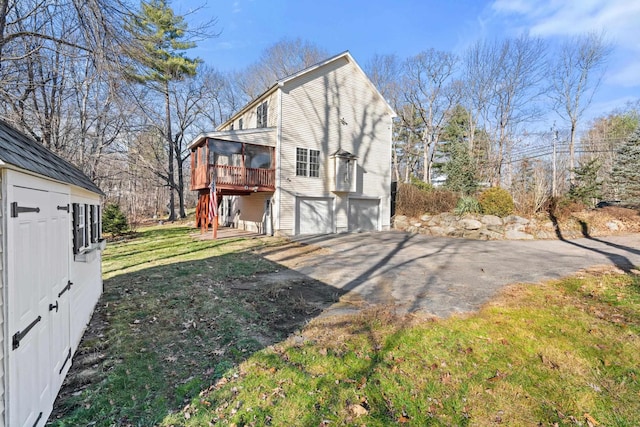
pixel 364 214
pixel 315 215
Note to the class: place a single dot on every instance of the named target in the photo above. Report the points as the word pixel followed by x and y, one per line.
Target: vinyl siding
pixel 250 118
pixel 2 293
pixel 265 136
pixel 251 208
pixel 313 106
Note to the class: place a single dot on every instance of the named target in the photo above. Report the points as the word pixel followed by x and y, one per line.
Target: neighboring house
pixel 312 154
pixel 50 273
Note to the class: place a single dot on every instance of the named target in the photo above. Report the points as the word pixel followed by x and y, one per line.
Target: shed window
pixel 307 162
pixel 261 114
pixel 79 227
pixel 95 223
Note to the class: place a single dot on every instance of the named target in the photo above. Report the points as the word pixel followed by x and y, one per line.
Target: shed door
pixel 315 215
pixel 38 260
pixel 363 214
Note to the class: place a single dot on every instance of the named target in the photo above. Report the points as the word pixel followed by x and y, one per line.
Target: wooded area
pixel 110 86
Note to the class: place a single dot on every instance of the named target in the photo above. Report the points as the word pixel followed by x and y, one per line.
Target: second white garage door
pixel 363 214
pixel 315 215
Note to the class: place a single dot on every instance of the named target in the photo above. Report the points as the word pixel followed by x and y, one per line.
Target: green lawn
pixel 179 347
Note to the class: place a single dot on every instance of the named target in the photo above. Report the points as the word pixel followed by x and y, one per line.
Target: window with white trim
pixel 240 123
pixel 79 227
pixel 261 114
pixel 307 162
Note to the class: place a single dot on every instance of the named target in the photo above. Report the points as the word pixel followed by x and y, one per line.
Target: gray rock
pixel 491 220
pixel 425 218
pixel 613 225
pixel 491 235
pixel 470 224
pixel 517 235
pixel 438 231
pixel 515 219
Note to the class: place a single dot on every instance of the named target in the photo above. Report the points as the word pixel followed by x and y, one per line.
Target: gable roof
pixel 19 150
pixel 279 83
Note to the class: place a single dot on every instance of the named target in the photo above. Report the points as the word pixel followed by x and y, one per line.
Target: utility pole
pixel 554 191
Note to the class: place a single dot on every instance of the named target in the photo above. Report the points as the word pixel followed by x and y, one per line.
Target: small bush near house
pixel 413 202
pixel 468 204
pixel 113 220
pixel 496 201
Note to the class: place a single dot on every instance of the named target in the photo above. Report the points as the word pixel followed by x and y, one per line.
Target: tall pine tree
pixel 626 170
pixel 160 59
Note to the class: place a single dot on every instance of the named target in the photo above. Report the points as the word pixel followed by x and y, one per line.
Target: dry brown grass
pixel 413 202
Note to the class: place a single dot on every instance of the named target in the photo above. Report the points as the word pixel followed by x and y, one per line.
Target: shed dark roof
pixel 19 150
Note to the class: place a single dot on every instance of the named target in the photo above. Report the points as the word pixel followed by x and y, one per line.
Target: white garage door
pixel 315 215
pixel 38 322
pixel 363 214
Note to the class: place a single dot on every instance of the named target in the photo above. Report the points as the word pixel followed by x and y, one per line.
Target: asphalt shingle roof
pixel 19 150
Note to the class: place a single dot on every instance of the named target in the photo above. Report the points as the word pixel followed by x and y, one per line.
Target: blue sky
pixel 406 27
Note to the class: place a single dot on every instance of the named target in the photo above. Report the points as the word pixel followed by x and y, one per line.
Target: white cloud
pixel 618 20
pixel 236 7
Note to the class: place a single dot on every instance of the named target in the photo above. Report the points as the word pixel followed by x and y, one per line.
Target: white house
pixel 50 273
pixel 310 155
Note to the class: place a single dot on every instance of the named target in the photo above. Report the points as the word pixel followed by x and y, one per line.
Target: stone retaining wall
pixel 512 227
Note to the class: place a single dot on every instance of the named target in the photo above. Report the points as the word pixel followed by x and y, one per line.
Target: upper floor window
pixel 240 123
pixel 307 162
pixel 261 114
pixel 232 126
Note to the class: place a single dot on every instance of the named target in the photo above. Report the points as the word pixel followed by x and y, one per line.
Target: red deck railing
pixel 233 177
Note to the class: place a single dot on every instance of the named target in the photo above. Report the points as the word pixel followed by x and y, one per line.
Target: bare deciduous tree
pixel 284 58
pixel 575 76
pixel 426 87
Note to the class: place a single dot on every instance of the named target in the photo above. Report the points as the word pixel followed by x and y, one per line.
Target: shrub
pixel 563 207
pixel 496 201
pixel 424 186
pixel 412 201
pixel 113 220
pixel 468 204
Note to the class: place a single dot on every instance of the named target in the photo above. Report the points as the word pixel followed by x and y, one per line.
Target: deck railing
pixel 232 177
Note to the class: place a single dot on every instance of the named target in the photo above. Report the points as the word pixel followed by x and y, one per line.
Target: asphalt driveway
pixel 441 276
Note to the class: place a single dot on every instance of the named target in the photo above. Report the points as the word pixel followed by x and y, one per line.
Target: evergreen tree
pixel 586 187
pixel 457 161
pixel 159 58
pixel 626 170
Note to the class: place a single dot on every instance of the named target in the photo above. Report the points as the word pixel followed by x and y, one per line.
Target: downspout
pixel 278 191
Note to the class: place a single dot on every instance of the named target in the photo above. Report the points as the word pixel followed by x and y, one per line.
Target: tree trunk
pixel 171 181
pixel 180 165
pixel 572 154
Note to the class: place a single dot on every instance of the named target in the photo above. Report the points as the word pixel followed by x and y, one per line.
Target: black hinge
pixel 37 420
pixel 64 208
pixel 65 362
pixel 18 336
pixel 15 209
pixel 65 289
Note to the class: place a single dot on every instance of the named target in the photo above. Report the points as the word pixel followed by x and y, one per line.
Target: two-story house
pixel 310 155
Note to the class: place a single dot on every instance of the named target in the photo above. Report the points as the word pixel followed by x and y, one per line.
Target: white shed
pixel 50 273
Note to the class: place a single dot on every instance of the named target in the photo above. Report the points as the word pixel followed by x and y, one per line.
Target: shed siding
pixel 326 109
pixel 86 276
pixel 2 293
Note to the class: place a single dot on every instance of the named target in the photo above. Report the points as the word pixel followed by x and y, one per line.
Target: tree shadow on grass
pixel 160 335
